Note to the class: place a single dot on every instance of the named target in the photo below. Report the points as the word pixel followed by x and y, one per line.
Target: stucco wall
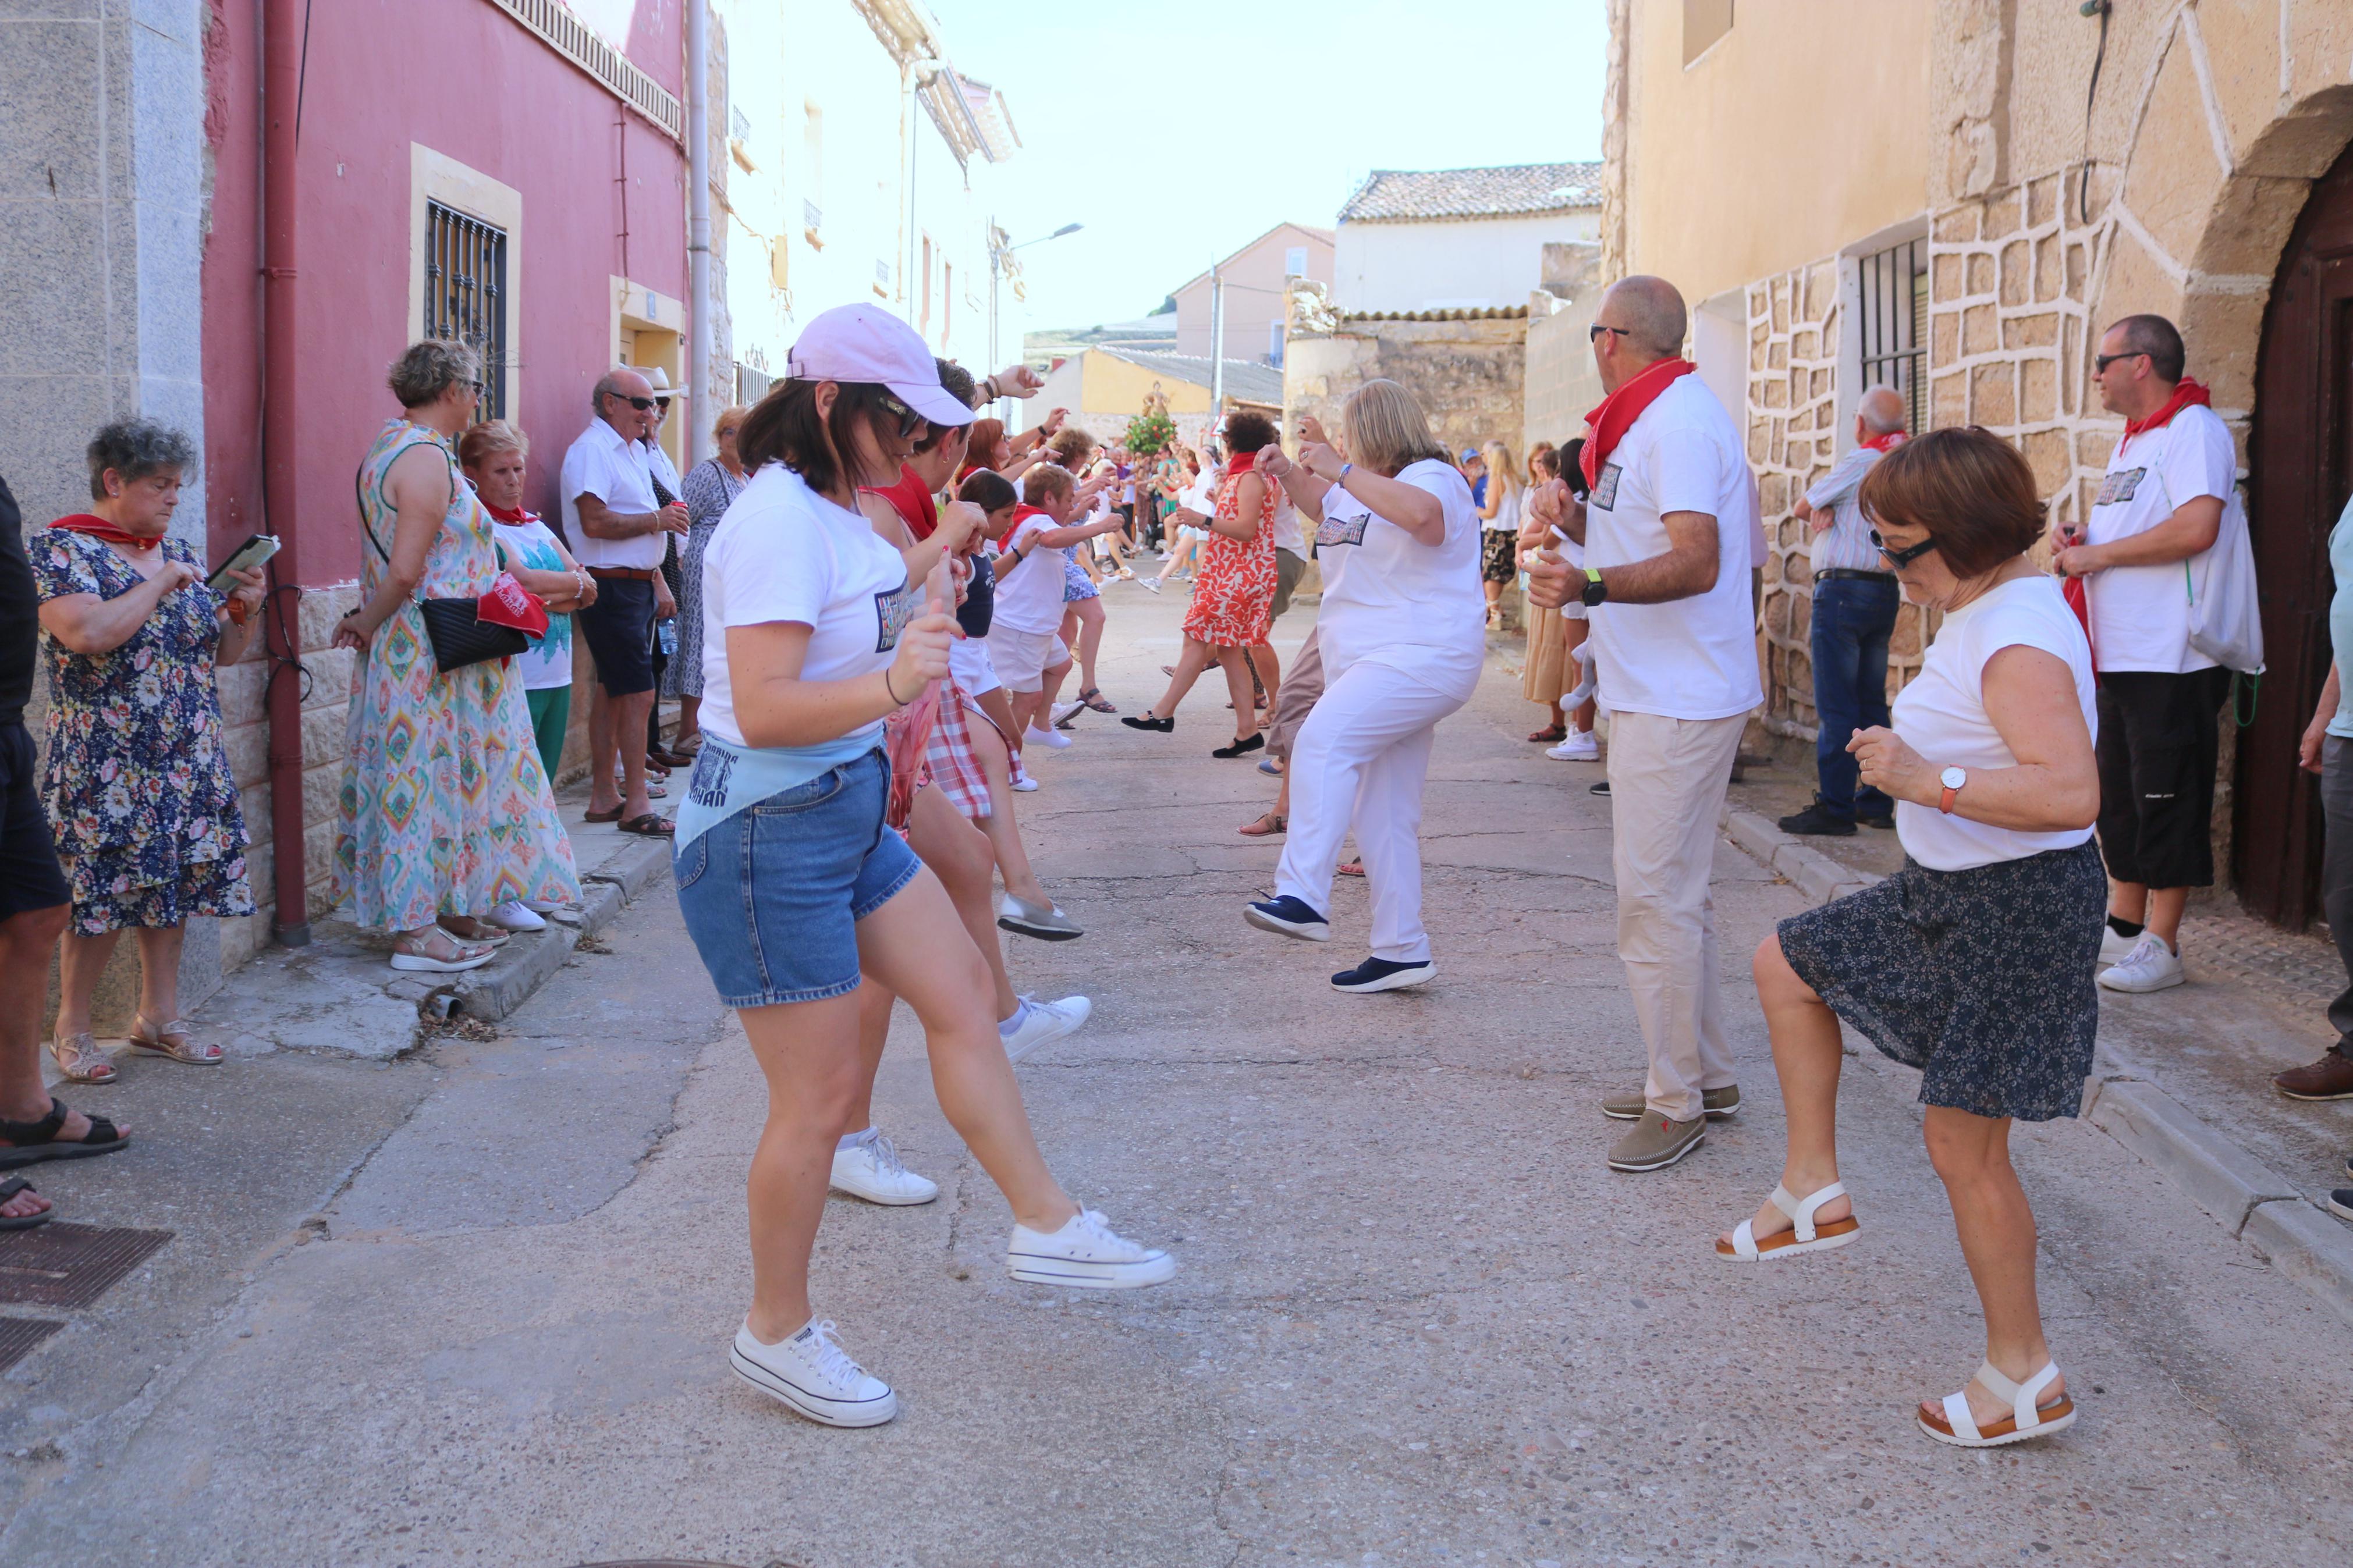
pixel 1253 294
pixel 1461 264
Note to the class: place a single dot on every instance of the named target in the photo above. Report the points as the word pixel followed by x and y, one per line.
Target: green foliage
pixel 1149 435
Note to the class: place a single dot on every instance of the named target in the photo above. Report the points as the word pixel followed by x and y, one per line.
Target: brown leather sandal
pixel 1268 824
pixel 172 1040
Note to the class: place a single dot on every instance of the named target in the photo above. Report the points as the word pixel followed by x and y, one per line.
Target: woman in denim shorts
pixel 792 886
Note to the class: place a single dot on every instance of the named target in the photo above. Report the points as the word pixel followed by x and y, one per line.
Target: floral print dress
pixel 445 808
pixel 137 782
pixel 1233 595
pixel 708 490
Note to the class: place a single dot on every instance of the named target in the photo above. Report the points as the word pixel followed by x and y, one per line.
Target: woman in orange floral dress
pixel 1233 597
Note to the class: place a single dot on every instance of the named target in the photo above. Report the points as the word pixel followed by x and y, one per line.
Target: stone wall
pixel 1469 372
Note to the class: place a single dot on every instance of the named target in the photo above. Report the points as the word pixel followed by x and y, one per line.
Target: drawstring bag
pixel 2226 616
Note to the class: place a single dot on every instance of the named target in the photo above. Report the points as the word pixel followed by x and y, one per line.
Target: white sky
pixel 1177 139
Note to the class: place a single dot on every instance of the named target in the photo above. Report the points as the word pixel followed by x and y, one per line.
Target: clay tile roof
pixel 1458 313
pixel 1407 195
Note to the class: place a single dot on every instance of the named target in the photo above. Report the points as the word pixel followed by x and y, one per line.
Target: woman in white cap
pixel 814 630
pixel 1402 631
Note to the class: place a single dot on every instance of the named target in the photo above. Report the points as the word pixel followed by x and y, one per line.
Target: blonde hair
pixel 483 442
pixel 1386 428
pixel 1499 462
pixel 733 411
pixel 1046 480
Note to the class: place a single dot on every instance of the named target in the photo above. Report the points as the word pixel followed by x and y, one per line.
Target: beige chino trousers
pixel 1668 778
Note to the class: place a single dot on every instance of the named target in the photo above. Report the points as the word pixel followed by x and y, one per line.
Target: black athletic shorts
pixel 2160 738
pixel 29 877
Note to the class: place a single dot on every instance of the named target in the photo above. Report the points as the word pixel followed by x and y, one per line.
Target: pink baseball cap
pixel 865 343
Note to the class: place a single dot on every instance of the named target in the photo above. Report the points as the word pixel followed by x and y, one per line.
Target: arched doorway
pixel 2300 465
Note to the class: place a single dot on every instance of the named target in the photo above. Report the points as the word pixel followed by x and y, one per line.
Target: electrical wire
pixel 2084 171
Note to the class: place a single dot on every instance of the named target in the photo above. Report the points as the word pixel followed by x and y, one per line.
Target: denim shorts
pixel 773 895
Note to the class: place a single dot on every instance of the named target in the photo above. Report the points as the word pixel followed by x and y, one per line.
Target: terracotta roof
pixel 1408 196
pixel 1490 313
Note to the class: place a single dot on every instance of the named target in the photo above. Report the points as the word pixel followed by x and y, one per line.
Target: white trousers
pixel 1363 754
pixel 1668 778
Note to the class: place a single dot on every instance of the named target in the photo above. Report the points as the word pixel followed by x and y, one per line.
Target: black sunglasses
pixel 910 422
pixel 1593 333
pixel 642 404
pixel 2100 364
pixel 1900 558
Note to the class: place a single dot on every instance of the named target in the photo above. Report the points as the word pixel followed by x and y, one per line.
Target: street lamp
pixel 1000 257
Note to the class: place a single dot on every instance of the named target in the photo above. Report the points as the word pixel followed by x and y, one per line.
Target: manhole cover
pixel 62 1265
pixel 20 1335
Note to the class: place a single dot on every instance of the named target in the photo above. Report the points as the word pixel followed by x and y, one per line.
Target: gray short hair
pixel 428 369
pixel 135 449
pixel 607 385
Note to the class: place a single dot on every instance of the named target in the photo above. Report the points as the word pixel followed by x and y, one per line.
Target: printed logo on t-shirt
pixel 893 608
pixel 2118 486
pixel 1343 529
pixel 1604 488
pixel 708 784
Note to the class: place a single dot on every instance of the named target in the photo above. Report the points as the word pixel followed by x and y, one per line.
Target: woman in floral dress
pixel 145 806
pixel 1233 597
pixel 445 812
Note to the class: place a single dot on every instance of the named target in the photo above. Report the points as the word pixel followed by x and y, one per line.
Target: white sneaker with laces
pixel 1151 584
pixel 1088 1254
pixel 1052 740
pixel 1043 1021
pixel 1579 747
pixel 2150 966
pixel 810 1375
pixel 515 915
pixel 2115 949
pixel 1065 709
pixel 869 1169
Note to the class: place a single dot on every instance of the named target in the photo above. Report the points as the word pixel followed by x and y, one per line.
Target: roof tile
pixel 1402 196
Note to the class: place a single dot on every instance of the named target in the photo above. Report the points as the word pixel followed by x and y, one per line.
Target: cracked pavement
pixel 472 1307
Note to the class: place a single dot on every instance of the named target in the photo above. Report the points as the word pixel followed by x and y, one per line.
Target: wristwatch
pixel 1952 779
pixel 1596 590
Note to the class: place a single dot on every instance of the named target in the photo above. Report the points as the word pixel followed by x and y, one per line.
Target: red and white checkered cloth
pixel 948 759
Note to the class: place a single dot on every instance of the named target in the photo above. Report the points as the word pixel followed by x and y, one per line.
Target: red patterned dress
pixel 1233 597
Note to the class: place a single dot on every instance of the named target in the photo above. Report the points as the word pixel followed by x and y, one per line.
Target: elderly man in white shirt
pixel 618 532
pixel 1666 534
pixel 1855 599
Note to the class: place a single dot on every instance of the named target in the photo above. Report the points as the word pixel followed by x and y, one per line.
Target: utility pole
pixel 700 404
pixel 1216 342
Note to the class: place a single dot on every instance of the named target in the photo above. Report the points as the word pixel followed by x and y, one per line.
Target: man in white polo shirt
pixel 617 531
pixel 2170 482
pixel 1666 536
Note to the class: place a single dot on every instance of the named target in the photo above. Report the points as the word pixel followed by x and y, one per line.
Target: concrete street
pixel 471 1306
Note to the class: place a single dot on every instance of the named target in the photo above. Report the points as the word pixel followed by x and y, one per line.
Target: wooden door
pixel 2300 471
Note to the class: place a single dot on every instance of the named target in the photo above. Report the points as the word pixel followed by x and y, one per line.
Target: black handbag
pixel 458 634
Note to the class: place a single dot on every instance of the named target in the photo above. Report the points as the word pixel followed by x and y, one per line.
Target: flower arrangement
pixel 1150 433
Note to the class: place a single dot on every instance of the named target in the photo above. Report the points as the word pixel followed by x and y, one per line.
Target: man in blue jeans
pixel 1855 613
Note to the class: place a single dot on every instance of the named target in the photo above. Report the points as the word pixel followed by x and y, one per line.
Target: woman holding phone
pixel 815 630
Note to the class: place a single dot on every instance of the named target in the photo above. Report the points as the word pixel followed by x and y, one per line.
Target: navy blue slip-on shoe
pixel 1290 916
pixel 1381 974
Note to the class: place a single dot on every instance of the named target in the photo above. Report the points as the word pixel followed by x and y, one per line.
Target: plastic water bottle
pixel 666 637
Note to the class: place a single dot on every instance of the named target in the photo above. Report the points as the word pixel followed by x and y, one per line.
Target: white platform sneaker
pixel 811 1375
pixel 1043 1021
pixel 1088 1254
pixel 869 1169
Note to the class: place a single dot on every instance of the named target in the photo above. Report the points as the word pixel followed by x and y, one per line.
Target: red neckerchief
pixel 1887 443
pixel 1240 463
pixel 1617 413
pixel 2188 392
pixel 516 517
pixel 98 528
pixel 912 500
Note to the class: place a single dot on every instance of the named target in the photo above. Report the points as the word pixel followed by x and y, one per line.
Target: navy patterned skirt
pixel 1981 979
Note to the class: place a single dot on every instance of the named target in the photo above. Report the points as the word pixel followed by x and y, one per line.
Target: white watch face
pixel 1953 778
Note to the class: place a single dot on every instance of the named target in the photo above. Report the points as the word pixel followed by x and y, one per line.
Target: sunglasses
pixel 642 404
pixel 2100 364
pixel 1593 333
pixel 1900 558
pixel 911 422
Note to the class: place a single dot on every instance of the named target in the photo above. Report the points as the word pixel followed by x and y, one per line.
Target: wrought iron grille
pixel 466 294
pixel 1891 318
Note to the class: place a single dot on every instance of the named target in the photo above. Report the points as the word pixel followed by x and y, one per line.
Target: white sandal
pixel 1805 1236
pixel 2026 1418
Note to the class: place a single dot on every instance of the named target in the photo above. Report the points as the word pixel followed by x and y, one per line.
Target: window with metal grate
pixel 466 293
pixel 1891 322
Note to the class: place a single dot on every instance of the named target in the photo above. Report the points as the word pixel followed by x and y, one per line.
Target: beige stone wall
pixel 1470 375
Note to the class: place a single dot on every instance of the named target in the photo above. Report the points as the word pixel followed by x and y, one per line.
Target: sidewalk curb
pixel 2249 1200
pixel 508 981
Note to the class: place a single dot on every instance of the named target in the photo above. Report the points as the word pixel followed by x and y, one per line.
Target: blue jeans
pixel 1852 620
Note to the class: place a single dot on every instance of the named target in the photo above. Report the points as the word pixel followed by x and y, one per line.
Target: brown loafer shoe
pixel 1720 1104
pixel 1656 1143
pixel 2330 1077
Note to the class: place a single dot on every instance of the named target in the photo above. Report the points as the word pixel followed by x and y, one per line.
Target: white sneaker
pixel 1579 747
pixel 515 915
pixel 1064 710
pixel 869 1169
pixel 810 1375
pixel 2150 966
pixel 1052 740
pixel 1043 1021
pixel 1088 1254
pixel 1021 783
pixel 1151 584
pixel 2115 949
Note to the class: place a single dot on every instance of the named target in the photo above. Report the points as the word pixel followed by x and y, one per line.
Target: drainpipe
pixel 699 409
pixel 281 78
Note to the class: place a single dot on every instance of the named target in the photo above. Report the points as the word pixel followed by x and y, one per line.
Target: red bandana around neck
pixel 98 528
pixel 1887 443
pixel 1240 463
pixel 2187 392
pixel 1617 413
pixel 517 515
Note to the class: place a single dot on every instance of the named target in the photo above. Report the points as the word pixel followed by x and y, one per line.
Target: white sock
pixel 852 1141
pixel 1005 1027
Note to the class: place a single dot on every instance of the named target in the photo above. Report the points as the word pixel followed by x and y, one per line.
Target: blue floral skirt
pixel 1981 979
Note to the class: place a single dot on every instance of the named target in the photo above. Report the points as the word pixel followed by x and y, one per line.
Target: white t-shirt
pixel 2140 614
pixel 1287 532
pixel 601 464
pixel 1941 715
pixel 546 664
pixel 1029 596
pixel 1507 514
pixel 1390 600
pixel 1689 659
pixel 783 553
